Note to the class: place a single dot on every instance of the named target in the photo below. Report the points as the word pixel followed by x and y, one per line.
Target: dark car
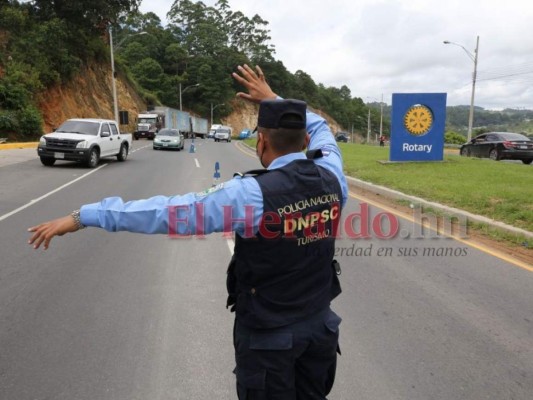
pixel 341 137
pixel 500 146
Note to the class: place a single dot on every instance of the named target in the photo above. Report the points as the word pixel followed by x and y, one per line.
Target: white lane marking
pixel 231 245
pixel 139 148
pixel 32 202
pixel 197 163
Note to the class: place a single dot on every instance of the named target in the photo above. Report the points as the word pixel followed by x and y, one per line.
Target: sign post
pixel 418 121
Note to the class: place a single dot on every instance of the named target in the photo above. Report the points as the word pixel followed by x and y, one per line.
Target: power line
pixel 505 76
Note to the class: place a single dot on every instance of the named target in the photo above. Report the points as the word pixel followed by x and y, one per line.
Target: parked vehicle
pixel 341 137
pixel 223 133
pixel 84 140
pixel 500 146
pixel 245 134
pixel 169 139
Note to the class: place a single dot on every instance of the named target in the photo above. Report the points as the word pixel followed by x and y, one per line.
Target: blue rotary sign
pixel 417 132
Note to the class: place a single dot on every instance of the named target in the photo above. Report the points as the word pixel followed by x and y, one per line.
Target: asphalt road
pixel 123 316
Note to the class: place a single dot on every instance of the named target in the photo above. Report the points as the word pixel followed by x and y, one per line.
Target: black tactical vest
pixel 284 274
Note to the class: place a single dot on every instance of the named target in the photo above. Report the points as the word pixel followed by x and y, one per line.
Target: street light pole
pixel 114 85
pixel 113 78
pixel 212 108
pixel 368 128
pixel 474 58
pixel 381 118
pixel 195 85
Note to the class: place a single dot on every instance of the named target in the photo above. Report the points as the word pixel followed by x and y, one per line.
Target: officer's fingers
pixel 47 242
pixel 37 239
pixel 34 228
pixel 250 71
pixel 260 73
pixel 247 73
pixel 248 97
pixel 239 79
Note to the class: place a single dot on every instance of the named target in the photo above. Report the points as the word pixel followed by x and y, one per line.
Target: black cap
pixel 275 114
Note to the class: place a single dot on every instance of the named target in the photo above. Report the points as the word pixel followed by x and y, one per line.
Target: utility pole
pixel 195 85
pixel 114 85
pixel 368 128
pixel 474 76
pixel 474 58
pixel 381 118
pixel 212 108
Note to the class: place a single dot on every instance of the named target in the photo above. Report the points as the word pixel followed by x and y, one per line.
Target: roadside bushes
pixel 8 122
pixel 451 137
pixel 30 122
pixel 26 123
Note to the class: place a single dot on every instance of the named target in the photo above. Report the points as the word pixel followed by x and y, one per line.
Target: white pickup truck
pixel 84 140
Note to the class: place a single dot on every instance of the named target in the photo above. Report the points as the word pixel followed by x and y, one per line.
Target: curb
pixel 22 145
pixel 396 195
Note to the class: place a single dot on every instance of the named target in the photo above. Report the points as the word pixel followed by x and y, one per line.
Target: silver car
pixel 169 139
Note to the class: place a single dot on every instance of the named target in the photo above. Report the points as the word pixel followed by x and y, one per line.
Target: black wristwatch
pixel 76 215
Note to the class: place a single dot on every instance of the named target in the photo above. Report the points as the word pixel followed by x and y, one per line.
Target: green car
pixel 169 139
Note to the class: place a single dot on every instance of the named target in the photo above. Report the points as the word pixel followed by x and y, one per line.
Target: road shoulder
pixel 522 254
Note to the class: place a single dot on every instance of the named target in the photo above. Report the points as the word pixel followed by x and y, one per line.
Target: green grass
pixel 497 190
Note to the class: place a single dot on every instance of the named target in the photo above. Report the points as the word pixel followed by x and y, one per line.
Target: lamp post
pixel 212 109
pixel 381 117
pixel 113 78
pixel 368 128
pixel 474 58
pixel 183 91
pixel 114 85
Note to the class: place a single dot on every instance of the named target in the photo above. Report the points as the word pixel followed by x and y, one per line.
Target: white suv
pixel 223 133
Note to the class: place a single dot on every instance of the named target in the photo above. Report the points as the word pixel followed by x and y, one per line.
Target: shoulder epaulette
pixel 314 154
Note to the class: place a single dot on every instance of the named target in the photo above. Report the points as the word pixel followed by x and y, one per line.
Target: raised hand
pixel 255 83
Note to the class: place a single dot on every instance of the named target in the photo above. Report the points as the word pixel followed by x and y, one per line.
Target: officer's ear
pixel 306 141
pixel 261 136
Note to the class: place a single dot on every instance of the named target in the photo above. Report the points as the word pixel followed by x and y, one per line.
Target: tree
pixel 89 15
pixel 149 74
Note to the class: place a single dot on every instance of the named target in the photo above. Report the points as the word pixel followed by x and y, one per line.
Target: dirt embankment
pixel 90 95
pixel 244 116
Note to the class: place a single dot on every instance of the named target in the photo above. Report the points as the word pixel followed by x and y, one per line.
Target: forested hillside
pixel 45 44
pixel 48 47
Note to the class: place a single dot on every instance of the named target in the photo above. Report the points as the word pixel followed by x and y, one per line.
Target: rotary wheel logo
pixel 418 120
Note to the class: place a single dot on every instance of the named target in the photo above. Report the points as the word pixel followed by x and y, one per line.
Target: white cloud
pixel 385 46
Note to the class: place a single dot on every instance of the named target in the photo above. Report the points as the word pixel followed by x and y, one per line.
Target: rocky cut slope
pixel 90 95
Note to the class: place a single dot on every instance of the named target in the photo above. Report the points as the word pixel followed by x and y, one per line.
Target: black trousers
pixel 295 362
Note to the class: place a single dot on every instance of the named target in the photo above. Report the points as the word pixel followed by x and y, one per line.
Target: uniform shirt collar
pixel 284 160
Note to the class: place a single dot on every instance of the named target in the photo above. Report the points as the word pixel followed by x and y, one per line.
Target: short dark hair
pixel 284 140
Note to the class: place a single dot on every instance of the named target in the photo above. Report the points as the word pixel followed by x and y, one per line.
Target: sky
pixel 380 47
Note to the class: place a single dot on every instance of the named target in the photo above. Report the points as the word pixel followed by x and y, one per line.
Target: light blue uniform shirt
pixel 235 205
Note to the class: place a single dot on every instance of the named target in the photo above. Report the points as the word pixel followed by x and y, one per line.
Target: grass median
pixel 499 190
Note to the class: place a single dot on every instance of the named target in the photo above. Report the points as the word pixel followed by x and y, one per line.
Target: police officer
pixel 282 276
